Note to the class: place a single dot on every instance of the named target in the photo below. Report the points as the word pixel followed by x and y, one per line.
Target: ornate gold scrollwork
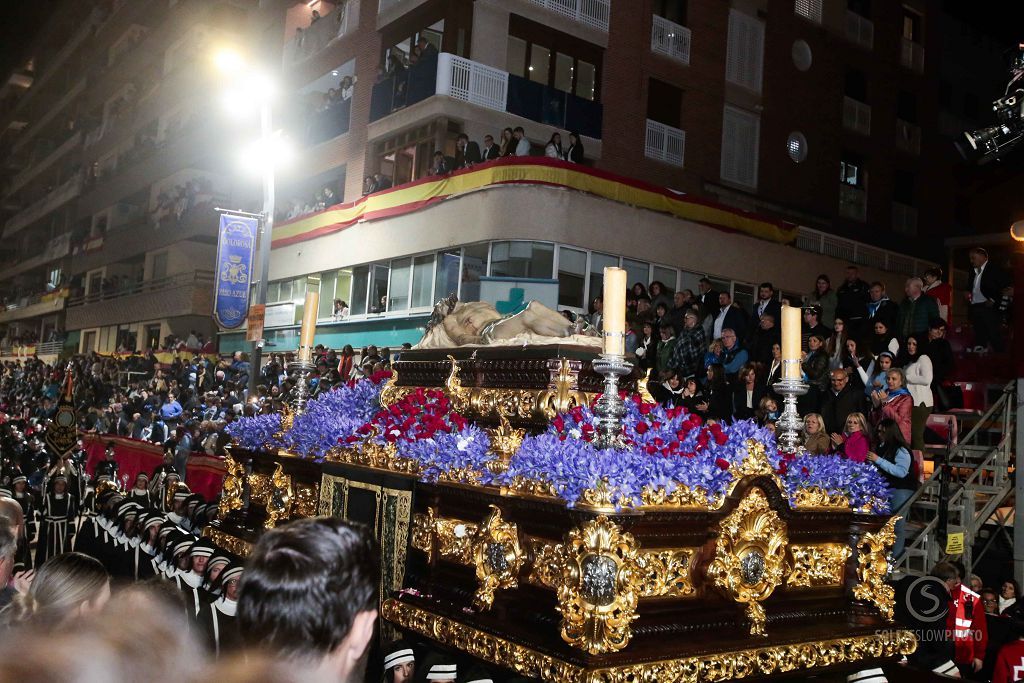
pixel 453 388
pixel 505 441
pixel 391 393
pixel 750 556
pixel 305 499
pixel 451 539
pixel 563 393
pixel 232 544
pixel 497 556
pixel 279 500
pixel 719 666
pixel 423 533
pixel 816 497
pixel 597 592
pixel 665 573
pixel 815 565
pixel 873 566
pixel 234 484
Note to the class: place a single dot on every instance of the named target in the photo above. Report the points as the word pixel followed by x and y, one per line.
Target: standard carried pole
pixel 266 235
pixel 1018 528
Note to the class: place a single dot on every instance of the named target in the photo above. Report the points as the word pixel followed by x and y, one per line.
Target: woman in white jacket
pixel 919 383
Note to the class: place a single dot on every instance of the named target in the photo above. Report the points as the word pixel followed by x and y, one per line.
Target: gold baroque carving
pixel 597 592
pixel 642 390
pixel 279 501
pixel 816 565
pixel 451 539
pixel 391 393
pixel 234 484
pixel 232 544
pixel 423 533
pixel 497 556
pixel 665 573
pixel 305 500
pixel 710 668
pixel 750 556
pixel 873 566
pixel 505 441
pixel 260 486
pixel 817 497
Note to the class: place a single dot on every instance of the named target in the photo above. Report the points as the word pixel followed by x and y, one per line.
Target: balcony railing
pixel 26 175
pixel 851 251
pixel 199 277
pixel 318 35
pixel 853 203
pixel 856 116
pixel 860 30
pixel 669 38
pixel 469 81
pixel 665 143
pixel 593 13
pixel 912 55
pixel 904 219
pixel 66 192
pixel 908 136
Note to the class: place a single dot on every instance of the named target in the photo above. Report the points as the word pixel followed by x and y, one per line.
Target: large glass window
pixel 636 271
pixel 666 276
pixel 586 80
pixel 474 266
pixel 422 276
pixel 379 289
pixel 572 277
pixel 540 63
pixel 598 262
pixel 327 284
pixel 516 56
pixel 563 72
pixel 446 281
pixel 398 293
pixel 343 289
pixel 360 284
pixel 522 259
pixel 273 292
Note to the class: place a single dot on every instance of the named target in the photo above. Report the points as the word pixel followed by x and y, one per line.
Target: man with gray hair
pixel 688 354
pixel 915 311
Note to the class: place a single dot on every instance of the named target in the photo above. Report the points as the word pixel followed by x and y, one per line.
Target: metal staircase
pixel 979 484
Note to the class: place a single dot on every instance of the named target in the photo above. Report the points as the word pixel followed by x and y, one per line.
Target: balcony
pixel 57 248
pixel 58 197
pixel 339 23
pixel 670 39
pixel 44 163
pixel 912 55
pixel 853 203
pixel 856 116
pixel 904 219
pixel 35 305
pixel 665 143
pixel 860 30
pixel 908 136
pixel 593 13
pixel 51 112
pixel 168 297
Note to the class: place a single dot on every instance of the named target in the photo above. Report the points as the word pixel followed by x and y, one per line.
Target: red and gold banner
pixel 531 171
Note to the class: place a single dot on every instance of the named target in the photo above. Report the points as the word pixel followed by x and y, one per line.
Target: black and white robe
pixel 58 525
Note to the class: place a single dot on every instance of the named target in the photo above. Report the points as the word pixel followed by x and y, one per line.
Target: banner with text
pixel 236 244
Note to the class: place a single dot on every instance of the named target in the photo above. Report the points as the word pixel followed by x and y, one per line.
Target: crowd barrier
pixel 204 474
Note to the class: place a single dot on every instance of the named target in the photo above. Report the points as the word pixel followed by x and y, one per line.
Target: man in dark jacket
pixel 728 317
pixel 984 292
pixel 767 304
pixel 839 401
pixel 916 310
pixel 707 298
pixel 851 301
pixel 491 150
pixel 880 307
pixel 765 335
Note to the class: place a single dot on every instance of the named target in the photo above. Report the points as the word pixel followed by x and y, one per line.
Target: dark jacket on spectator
pixel 852 299
pixel 836 407
pixel 884 310
pixel 740 411
pixel 914 316
pixel 492 152
pixel 689 351
pixel 761 344
pixel 941 355
pixel 815 366
pixel 575 153
pixel 470 156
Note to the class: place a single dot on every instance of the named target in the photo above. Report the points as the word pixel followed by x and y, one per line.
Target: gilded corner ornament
pixel 391 393
pixel 233 487
pixel 750 556
pixel 505 441
pixel 873 567
pixel 642 388
pixel 279 498
pixel 815 565
pixel 498 558
pixel 597 592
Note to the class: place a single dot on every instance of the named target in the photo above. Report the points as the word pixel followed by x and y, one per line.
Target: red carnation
pixel 645 408
pixel 558 423
pixel 721 438
pixel 641 427
pixel 702 440
pixel 722 463
pixel 650 449
pixel 783 467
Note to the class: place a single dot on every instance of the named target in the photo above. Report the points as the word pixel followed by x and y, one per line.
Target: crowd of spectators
pixel 174 203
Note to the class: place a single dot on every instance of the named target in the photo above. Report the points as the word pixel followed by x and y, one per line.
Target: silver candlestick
pixel 789 421
pixel 610 408
pixel 300 369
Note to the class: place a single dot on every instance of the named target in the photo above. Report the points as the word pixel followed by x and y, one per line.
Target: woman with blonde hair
pixel 65 588
pixel 855 441
pixel 816 441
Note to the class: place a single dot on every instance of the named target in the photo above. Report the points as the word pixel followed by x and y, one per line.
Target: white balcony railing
pixel 808 9
pixel 860 30
pixel 669 38
pixel 904 219
pixel 908 136
pixel 851 251
pixel 472 82
pixel 319 35
pixel 665 143
pixel 856 116
pixel 69 190
pixel 593 13
pixel 853 203
pixel 912 55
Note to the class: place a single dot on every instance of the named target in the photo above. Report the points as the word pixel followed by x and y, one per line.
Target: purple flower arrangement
pixel 861 483
pixel 257 432
pixel 461 455
pixel 333 417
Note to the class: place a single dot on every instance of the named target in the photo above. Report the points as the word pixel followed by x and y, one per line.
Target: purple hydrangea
pixel 333 417
pixel 257 432
pixel 861 483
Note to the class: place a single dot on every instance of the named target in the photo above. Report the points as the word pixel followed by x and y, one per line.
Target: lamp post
pixel 265 239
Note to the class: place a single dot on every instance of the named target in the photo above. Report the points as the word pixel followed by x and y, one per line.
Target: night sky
pixel 19 21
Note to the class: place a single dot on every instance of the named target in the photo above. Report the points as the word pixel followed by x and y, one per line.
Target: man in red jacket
pixel 965 621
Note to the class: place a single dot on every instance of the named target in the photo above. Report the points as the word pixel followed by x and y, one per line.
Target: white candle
pixel 614 311
pixel 791 320
pixel 308 325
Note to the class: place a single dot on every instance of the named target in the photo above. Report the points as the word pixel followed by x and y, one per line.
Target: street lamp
pixel 249 88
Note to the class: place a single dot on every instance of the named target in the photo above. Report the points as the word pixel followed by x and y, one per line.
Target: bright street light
pixel 228 60
pixel 275 152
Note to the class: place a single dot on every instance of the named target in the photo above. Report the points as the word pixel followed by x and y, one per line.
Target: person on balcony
pixel 467 152
pixel 508 143
pixel 575 151
pixel 896 464
pixel 427 49
pixel 521 144
pixel 491 150
pixel 553 150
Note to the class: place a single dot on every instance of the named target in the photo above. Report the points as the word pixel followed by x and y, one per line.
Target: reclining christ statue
pixel 478 323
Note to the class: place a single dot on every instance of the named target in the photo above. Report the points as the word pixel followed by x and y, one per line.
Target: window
pixel 328 281
pixel 89 341
pixel 673 10
pixel 666 276
pixel 598 262
pixel 360 284
pixel 664 103
pixel 850 172
pixel 563 72
pixel 586 80
pixel 745 50
pixel 446 280
pixel 474 266
pixel 159 269
pixel 911 26
pixel 516 56
pixel 422 279
pixel 743 296
pixel 636 271
pixel 522 259
pixel 856 85
pixel 808 9
pixel 906 107
pixel 398 293
pixel 540 63
pixel 572 277
pixel 273 292
pixel 741 131
pixel 379 289
pixel 153 336
pixel 796 147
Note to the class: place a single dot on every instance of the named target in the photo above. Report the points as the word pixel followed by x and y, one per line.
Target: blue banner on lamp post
pixel 236 244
